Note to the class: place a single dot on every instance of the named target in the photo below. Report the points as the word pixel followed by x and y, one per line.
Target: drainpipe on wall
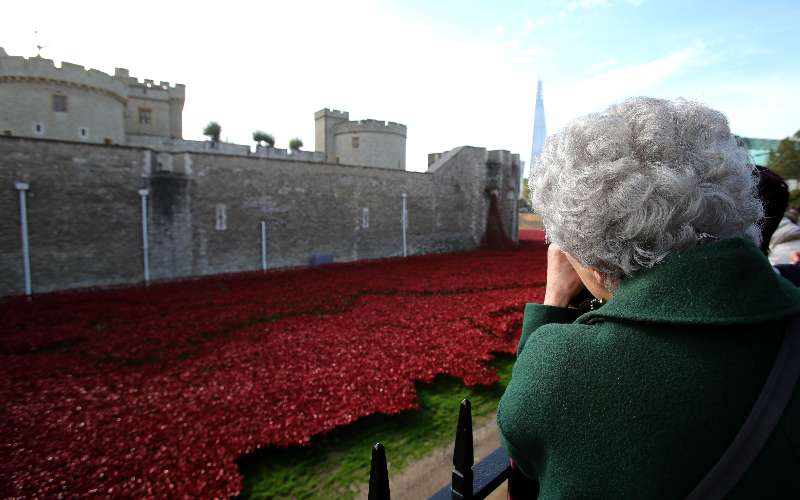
pixel 263 246
pixel 143 193
pixel 405 224
pixel 23 187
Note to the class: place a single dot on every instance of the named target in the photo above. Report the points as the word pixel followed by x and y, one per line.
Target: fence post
pixel 405 224
pixel 23 187
pixel 263 245
pixel 143 193
pixel 462 454
pixel 378 474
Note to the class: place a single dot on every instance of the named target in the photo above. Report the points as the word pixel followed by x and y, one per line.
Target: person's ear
pixel 600 277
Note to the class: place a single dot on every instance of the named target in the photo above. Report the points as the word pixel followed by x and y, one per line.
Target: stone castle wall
pixel 205 211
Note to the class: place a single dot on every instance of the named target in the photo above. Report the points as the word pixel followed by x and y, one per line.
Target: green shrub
pixel 212 130
pixel 260 136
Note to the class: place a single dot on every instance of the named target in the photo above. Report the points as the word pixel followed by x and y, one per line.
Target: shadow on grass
pixel 336 464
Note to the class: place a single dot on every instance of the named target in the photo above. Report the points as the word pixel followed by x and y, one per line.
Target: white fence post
pixel 263 245
pixel 143 193
pixel 23 187
pixel 405 225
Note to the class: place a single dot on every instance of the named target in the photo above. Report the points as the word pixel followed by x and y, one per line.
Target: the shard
pixel 539 128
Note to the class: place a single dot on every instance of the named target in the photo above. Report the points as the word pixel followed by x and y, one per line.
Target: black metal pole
pixel 378 474
pixel 462 454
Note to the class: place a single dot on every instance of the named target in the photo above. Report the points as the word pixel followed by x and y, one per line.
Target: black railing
pixel 468 481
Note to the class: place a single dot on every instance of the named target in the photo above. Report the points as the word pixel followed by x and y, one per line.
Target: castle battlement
pixel 369 125
pixel 331 113
pixel 149 87
pixel 72 102
pixel 39 69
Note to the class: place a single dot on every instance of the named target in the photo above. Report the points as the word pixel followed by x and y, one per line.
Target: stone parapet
pixel 38 69
pixel 372 126
pixel 332 113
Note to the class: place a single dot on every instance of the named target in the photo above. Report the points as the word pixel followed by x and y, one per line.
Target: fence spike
pixel 378 474
pixel 462 454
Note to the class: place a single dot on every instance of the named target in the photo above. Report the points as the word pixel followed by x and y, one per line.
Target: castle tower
pixel 72 103
pixel 371 143
pixel 367 143
pixel 325 121
pixel 152 109
pixel 68 103
pixel 539 128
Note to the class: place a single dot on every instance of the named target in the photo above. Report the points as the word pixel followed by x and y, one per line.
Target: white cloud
pixel 572 99
pixel 756 107
pixel 528 26
pixel 575 5
pixel 603 65
pixel 587 4
pixel 531 24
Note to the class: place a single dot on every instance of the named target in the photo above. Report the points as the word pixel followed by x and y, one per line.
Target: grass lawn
pixel 335 464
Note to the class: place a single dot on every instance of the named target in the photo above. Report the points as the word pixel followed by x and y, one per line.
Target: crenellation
pixel 332 113
pixel 370 125
pixel 68 66
pixel 365 142
pixel 42 70
pixel 99 107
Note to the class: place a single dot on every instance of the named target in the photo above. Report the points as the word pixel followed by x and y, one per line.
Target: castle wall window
pixel 38 129
pixel 83 133
pixel 60 103
pixel 221 218
pixel 365 218
pixel 145 116
pixel 355 142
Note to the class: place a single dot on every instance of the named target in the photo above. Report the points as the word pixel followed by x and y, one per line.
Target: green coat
pixel 640 398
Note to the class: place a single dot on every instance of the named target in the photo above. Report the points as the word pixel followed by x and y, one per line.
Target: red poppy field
pixel 156 391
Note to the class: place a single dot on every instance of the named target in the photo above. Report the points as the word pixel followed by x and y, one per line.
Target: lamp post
pixel 143 194
pixel 263 245
pixel 405 225
pixel 22 188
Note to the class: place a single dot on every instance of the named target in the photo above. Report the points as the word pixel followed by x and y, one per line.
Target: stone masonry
pixel 205 210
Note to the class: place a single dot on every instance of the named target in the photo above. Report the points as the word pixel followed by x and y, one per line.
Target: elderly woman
pixel 651 206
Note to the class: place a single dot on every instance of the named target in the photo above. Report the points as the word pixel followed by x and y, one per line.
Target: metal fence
pixel 468 481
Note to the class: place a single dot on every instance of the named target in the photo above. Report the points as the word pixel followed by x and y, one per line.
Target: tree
pixel 295 144
pixel 260 136
pixel 785 160
pixel 526 191
pixel 212 130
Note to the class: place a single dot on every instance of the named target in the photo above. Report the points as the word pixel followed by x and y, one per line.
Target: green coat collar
pixel 727 282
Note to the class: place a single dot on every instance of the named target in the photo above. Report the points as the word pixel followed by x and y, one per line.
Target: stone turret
pixel 325 120
pixel 153 109
pixel 372 143
pixel 70 102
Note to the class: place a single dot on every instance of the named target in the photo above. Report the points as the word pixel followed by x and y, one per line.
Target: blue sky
pixel 455 72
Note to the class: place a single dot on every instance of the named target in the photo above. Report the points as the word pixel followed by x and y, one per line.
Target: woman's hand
pixel 563 283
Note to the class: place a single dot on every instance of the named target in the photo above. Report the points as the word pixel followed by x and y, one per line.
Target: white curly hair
pixel 621 189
